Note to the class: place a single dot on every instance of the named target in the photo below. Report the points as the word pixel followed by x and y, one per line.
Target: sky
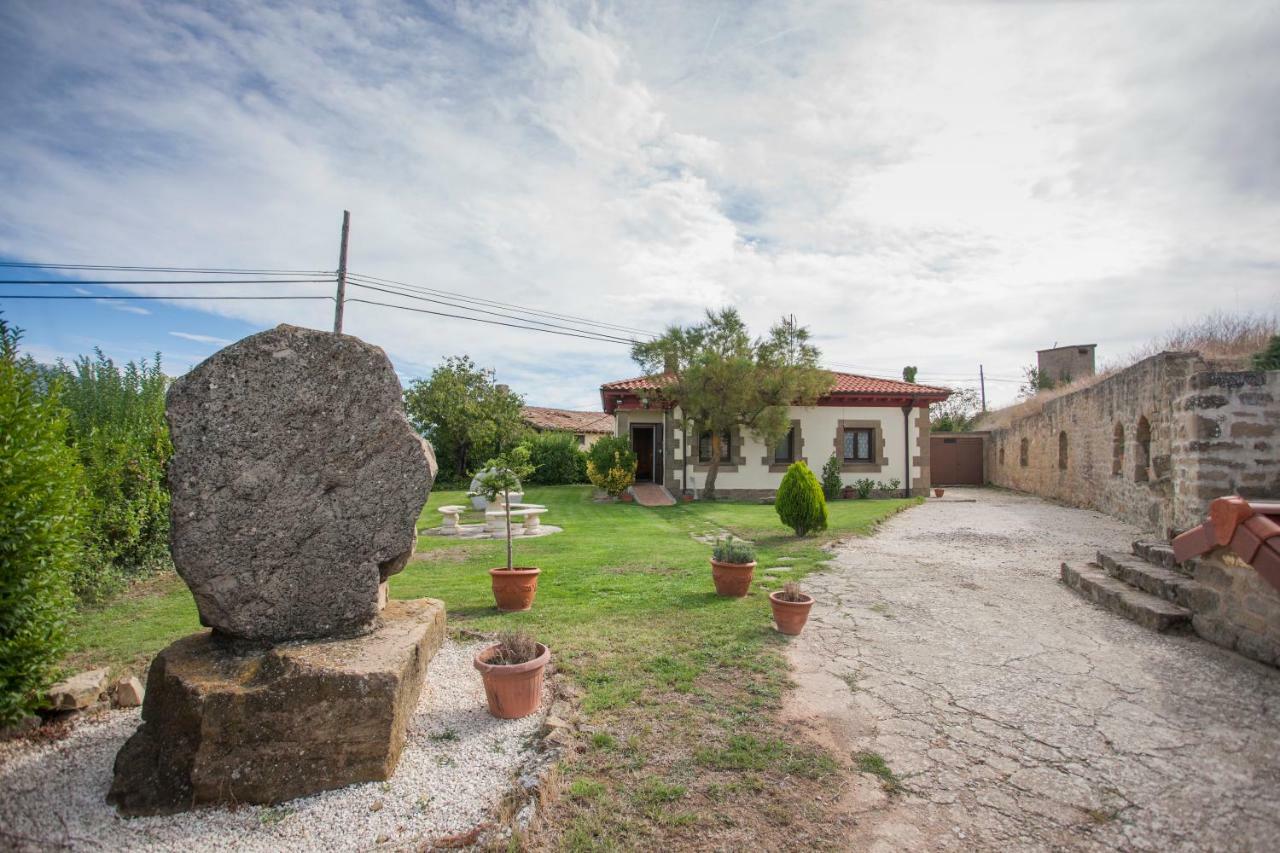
pixel 936 184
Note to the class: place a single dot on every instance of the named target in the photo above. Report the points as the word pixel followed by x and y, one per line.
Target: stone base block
pixel 226 722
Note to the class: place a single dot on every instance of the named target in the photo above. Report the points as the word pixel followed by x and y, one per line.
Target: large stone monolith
pixel 296 485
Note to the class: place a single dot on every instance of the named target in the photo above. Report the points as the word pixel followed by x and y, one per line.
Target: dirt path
pixel 1015 714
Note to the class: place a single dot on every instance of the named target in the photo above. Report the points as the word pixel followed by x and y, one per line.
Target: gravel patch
pixel 456 765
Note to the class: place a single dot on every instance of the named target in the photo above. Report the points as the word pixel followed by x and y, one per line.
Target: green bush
pixel 864 487
pixel 730 550
pixel 611 465
pixel 831 483
pixel 800 503
pixel 40 529
pixel 118 428
pixel 557 458
pixel 1269 358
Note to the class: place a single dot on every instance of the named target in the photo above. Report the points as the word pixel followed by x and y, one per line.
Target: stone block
pixel 127 693
pixel 226 721
pixel 77 692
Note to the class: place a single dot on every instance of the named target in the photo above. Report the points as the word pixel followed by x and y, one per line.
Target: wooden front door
pixel 955 460
pixel 643 444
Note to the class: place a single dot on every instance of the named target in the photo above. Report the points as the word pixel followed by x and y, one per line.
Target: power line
pixel 100 298
pixel 117 268
pixel 82 281
pixel 494 313
pixel 491 322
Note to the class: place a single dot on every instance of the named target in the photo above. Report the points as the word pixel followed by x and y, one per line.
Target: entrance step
pixel 652 494
pixel 1150 611
pixel 1148 577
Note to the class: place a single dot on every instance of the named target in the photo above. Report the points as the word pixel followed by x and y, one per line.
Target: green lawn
pixel 679 687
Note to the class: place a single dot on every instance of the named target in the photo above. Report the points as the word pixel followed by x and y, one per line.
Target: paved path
pixel 1017 715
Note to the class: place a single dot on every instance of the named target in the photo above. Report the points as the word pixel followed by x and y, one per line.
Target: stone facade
pixel 1152 444
pixel 1242 611
pixel 1063 364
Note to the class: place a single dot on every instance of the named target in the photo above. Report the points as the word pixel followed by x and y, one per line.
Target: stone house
pixel 586 427
pixel 879 428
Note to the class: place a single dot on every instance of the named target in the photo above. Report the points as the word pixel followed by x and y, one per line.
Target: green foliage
pixel 957 413
pixel 611 465
pixel 831 482
pixel 41 525
pixel 464 414
pixel 557 459
pixel 894 484
pixel 501 475
pixel 864 487
pixel 117 426
pixel 800 503
pixel 730 550
pixel 1036 382
pixel 1269 358
pixel 720 378
pixel 909 374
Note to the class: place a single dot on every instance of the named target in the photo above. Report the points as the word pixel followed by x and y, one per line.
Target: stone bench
pixel 529 513
pixel 451 515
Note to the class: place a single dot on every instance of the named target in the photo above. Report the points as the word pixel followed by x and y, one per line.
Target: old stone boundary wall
pixel 1152 444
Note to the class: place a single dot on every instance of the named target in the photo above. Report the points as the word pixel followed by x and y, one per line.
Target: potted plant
pixel 512 671
pixel 513 586
pixel 733 563
pixel 937 493
pixel 790 608
pixel 847 493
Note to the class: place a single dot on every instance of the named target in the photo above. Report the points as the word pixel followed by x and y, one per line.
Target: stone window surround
pixel 797 452
pixel 877 441
pixel 735 440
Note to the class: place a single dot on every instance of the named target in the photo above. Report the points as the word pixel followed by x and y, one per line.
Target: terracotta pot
pixel 627 497
pixel 514 690
pixel 733 579
pixel 789 616
pixel 513 589
pixel 937 493
pixel 687 498
pixel 846 492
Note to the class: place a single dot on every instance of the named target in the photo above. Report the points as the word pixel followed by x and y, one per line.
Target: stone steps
pixel 1151 611
pixel 1161 554
pixel 1148 577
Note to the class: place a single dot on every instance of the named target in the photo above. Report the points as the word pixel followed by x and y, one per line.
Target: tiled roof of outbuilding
pixel 843 383
pixel 564 420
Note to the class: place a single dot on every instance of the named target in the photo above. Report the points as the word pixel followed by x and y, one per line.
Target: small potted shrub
pixel 937 493
pixel 513 586
pixel 733 564
pixel 512 670
pixel 846 493
pixel 790 608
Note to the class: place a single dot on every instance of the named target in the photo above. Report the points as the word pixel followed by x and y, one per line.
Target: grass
pixel 874 763
pixel 679 686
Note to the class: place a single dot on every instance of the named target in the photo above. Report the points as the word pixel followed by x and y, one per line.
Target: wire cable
pixel 100 298
pixel 116 268
pixel 94 281
pixel 489 322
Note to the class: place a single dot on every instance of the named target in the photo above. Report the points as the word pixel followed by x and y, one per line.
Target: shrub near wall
pixel 557 458
pixel 800 503
pixel 40 528
pixel 611 465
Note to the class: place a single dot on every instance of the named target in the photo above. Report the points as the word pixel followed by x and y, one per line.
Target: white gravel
pixel 457 764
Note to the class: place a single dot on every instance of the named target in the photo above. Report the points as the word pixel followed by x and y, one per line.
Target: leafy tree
pixel 1269 358
pixel 500 476
pixel 557 458
pixel 720 378
pixel 611 465
pixel 957 413
pixel 464 414
pixel 909 374
pixel 831 482
pixel 1035 382
pixel 40 529
pixel 800 504
pixel 118 428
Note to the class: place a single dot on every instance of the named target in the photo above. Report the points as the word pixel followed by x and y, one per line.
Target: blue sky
pixel 933 184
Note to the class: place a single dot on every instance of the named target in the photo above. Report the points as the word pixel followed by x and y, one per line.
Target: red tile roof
pixel 564 420
pixel 1249 528
pixel 844 383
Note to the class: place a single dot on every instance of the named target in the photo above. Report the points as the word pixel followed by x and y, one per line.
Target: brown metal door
pixel 955 460
pixel 642 444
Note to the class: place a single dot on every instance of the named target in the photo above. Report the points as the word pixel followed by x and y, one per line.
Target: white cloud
pixel 940 185
pixel 201 339
pixel 125 307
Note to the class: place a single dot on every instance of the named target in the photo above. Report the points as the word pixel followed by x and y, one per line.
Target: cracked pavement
pixel 1017 715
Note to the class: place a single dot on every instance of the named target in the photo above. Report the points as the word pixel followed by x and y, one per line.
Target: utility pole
pixel 982 382
pixel 342 273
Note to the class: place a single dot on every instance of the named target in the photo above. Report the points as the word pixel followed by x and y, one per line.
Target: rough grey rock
pixel 77 692
pixel 231 722
pixel 296 483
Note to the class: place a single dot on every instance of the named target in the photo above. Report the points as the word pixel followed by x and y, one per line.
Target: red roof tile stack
pixel 1251 529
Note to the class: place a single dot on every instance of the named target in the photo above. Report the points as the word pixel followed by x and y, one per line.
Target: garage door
pixel 955 460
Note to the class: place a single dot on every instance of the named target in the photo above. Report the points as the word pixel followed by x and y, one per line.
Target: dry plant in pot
pixel 513 586
pixel 790 608
pixel 733 564
pixel 512 670
pixel 937 493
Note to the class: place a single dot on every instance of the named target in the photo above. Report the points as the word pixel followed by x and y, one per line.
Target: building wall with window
pixel 1152 444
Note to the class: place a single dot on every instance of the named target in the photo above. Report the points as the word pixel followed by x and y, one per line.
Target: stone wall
pixel 1151 444
pixel 1243 610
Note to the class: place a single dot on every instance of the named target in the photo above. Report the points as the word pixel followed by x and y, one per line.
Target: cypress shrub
pixel 557 459
pixel 40 529
pixel 800 503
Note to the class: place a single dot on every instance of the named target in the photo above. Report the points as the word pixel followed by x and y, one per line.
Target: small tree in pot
pixel 513 588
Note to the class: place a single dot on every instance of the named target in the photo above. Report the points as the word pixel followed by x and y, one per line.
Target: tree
pixel 464 414
pixel 720 378
pixel 957 413
pixel 909 374
pixel 831 481
pixel 1036 382
pixel 40 528
pixel 1269 358
pixel 500 475
pixel 800 503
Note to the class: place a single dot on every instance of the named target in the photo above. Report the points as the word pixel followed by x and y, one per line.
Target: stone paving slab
pixel 1017 715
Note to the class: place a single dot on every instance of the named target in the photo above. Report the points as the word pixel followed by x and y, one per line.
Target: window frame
pixel 871 450
pixel 726 447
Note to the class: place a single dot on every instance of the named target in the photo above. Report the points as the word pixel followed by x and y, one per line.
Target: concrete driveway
pixel 1016 715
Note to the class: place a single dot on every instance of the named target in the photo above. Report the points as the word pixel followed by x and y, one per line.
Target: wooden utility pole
pixel 342 273
pixel 982 383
